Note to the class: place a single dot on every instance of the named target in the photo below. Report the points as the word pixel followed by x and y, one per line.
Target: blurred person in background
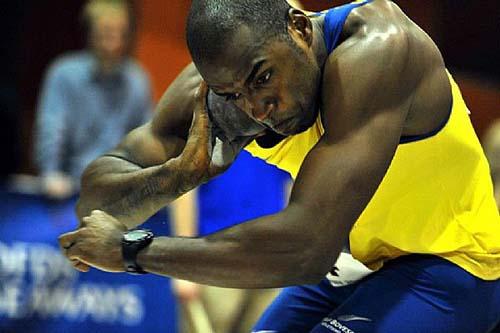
pixel 217 205
pixel 90 99
pixel 491 144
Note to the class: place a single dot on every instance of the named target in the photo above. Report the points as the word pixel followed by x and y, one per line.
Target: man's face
pixel 273 83
pixel 110 35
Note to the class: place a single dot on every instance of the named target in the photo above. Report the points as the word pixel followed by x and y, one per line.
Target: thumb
pixel 224 153
pixel 201 121
pixel 199 143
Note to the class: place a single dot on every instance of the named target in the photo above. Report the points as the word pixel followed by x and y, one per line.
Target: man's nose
pixel 264 109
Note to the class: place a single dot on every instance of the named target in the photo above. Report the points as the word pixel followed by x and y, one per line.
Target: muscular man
pixel 357 105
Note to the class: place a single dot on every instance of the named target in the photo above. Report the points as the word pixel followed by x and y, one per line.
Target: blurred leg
pixel 222 305
pixel 257 301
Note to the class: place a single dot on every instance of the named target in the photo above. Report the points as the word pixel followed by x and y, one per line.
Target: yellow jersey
pixel 436 197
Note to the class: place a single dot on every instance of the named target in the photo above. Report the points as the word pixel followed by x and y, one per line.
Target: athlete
pixel 391 226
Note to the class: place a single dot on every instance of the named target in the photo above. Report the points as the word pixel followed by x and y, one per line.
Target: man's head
pixel 109 28
pixel 259 55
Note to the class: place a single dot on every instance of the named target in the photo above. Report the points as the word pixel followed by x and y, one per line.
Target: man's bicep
pixel 158 140
pixel 144 148
pixel 364 105
pixel 335 184
pixel 165 135
pixel 350 169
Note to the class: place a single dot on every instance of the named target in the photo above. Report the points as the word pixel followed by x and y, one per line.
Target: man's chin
pixel 292 131
pixel 304 126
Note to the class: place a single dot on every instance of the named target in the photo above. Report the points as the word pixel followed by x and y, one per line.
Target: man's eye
pixel 264 78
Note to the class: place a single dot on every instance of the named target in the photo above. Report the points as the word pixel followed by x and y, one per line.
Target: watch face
pixel 136 235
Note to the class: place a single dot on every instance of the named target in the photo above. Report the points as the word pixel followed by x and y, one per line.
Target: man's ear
pixel 300 25
pixel 296 4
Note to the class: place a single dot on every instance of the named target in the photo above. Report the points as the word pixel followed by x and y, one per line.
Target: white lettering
pixel 335 326
pixel 132 307
pixel 10 300
pixel 12 260
pixel 98 303
pixel 48 265
pixel 49 289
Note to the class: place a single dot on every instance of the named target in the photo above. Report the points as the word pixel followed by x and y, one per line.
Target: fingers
pixel 98 217
pixel 76 256
pixel 98 233
pixel 201 95
pixel 89 218
pixel 101 214
pixel 200 115
pixel 199 144
pixel 224 154
pixel 74 252
pixel 68 243
pixel 80 266
pixel 68 239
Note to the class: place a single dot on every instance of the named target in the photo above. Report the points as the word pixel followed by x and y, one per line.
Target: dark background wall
pixel 33 33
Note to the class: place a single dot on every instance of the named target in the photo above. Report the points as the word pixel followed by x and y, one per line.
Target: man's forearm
pixel 129 192
pixel 262 253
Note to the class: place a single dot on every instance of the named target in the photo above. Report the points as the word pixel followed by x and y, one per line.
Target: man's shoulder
pixel 70 63
pixel 72 59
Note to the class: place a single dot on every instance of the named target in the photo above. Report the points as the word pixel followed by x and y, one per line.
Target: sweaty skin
pixel 385 79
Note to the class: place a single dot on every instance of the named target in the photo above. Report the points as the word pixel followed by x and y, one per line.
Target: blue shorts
pixel 414 293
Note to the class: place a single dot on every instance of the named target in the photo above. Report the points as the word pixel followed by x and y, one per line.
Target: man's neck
pixel 319 46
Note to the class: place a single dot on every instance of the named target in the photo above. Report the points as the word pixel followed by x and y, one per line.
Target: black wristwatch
pixel 132 242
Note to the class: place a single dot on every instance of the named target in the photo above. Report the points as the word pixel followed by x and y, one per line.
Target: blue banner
pixel 41 292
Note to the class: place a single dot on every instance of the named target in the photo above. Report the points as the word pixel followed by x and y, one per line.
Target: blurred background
pixel 38 293
pixel 35 32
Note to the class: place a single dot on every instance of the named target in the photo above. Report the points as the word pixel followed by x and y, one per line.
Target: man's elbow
pixel 85 204
pixel 314 265
pixel 81 209
pixel 88 191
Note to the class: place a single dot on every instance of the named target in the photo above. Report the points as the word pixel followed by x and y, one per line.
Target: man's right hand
pixel 159 161
pixel 205 155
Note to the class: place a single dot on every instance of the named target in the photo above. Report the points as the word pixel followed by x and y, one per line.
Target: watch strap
pixel 130 249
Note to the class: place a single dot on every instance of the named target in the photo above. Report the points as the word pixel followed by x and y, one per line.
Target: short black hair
pixel 211 22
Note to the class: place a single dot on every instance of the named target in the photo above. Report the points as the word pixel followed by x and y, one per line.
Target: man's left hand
pixel 96 243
